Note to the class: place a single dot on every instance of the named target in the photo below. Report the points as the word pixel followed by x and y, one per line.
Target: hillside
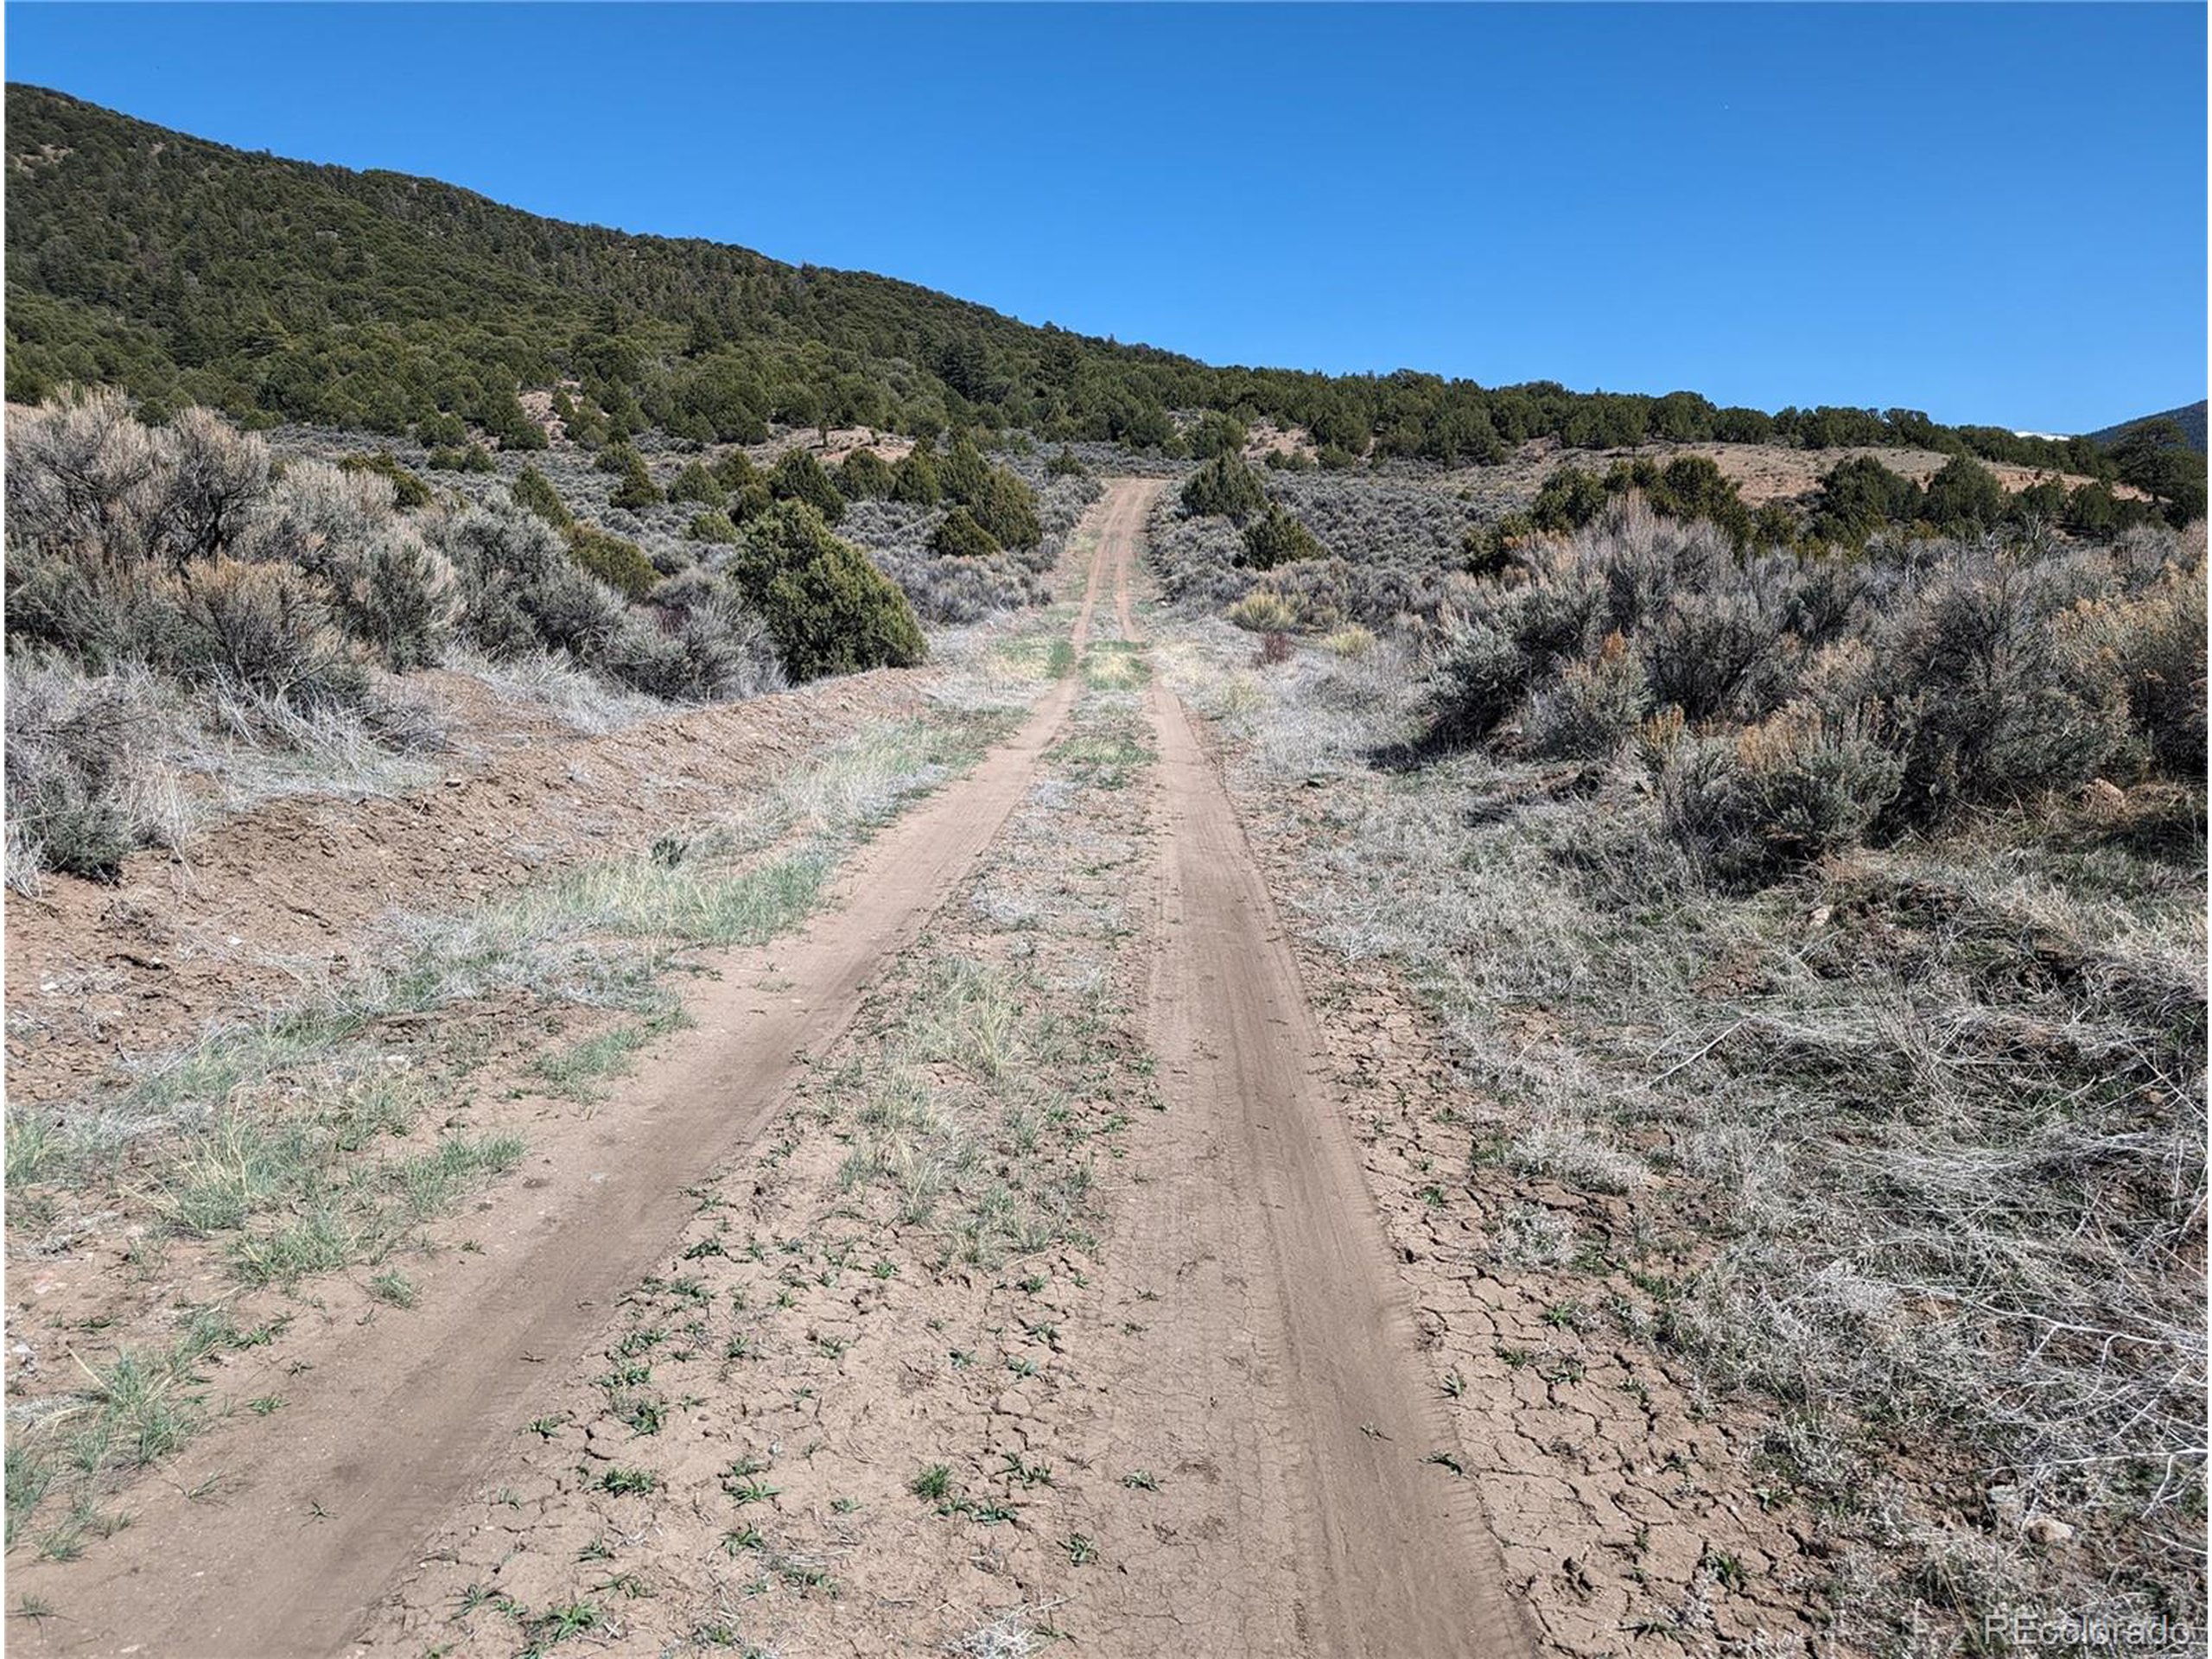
pixel 2189 417
pixel 189 271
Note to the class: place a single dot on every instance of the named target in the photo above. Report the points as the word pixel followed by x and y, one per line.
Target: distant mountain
pixel 2189 417
pixel 189 271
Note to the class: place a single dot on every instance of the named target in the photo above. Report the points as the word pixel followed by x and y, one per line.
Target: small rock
pixel 2046 1530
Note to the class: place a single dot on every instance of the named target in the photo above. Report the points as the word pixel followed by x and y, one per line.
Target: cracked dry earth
pixel 1624 1497
pixel 993 1260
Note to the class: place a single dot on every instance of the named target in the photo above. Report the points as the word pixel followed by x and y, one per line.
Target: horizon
pixel 2018 315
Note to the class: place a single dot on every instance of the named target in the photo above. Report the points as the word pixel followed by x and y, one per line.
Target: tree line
pixel 186 272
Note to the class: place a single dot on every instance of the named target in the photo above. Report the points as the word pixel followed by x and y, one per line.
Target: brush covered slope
pixel 187 271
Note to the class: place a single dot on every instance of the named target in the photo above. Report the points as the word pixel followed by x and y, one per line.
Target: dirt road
pixel 1291 1362
pixel 1284 1364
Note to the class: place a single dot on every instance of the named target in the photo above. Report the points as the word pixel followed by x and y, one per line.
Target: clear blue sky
pixel 1993 213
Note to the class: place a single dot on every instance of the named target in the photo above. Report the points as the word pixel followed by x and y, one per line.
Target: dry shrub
pixel 1479 677
pixel 1925 1128
pixel 213 478
pixel 73 605
pixel 81 478
pixel 1593 707
pixel 521 592
pixel 1987 700
pixel 941 589
pixel 1774 797
pixel 317 515
pixel 398 596
pixel 85 785
pixel 2150 644
pixel 1990 675
pixel 261 626
pixel 699 644
pixel 1716 654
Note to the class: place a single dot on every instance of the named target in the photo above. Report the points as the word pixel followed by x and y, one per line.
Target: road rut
pixel 1279 1376
pixel 320 1508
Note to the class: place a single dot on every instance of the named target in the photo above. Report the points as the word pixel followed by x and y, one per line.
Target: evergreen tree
pixel 914 478
pixel 1276 538
pixel 1215 435
pixel 1964 495
pixel 621 564
pixel 959 537
pixel 2155 458
pixel 1567 500
pixel 636 489
pixel 964 473
pixel 798 477
pixel 696 483
pixel 1224 487
pixel 407 490
pixel 830 610
pixel 1007 508
pixel 534 492
pixel 1859 496
pixel 865 476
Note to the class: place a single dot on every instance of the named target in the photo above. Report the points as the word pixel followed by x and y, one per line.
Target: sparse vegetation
pixel 1862 899
pixel 1786 706
pixel 168 575
pixel 296 1148
pixel 1796 1156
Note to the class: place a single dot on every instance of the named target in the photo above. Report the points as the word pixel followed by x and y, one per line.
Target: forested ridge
pixel 186 271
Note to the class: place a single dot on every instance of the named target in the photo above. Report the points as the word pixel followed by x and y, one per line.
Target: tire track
pixel 318 1512
pixel 1281 1371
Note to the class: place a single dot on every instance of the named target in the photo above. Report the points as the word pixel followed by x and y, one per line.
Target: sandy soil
pixel 1764 473
pixel 1761 472
pixel 281 896
pixel 1227 1376
pixel 1627 1501
pixel 1387 1550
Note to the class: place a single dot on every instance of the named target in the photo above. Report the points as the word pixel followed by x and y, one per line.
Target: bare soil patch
pixel 992 1260
pixel 1761 472
pixel 376 1405
pixel 279 899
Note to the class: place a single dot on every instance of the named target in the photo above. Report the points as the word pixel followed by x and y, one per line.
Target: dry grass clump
pixel 1773 798
pixel 1205 562
pixel 1263 611
pixel 87 785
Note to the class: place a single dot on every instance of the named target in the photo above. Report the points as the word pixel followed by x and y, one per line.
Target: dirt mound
pixel 281 896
